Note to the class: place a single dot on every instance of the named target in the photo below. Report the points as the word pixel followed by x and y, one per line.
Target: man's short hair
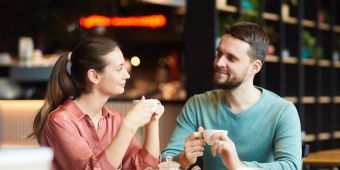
pixel 252 34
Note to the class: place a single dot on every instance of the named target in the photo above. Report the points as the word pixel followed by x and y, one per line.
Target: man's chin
pixel 226 86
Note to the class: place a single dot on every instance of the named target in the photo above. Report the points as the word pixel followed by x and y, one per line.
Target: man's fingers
pixel 200 129
pixel 194 155
pixel 213 150
pixel 220 136
pixel 195 142
pixel 195 135
pixel 197 154
pixel 195 149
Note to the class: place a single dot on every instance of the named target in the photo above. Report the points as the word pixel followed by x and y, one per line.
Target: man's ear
pixel 93 76
pixel 257 65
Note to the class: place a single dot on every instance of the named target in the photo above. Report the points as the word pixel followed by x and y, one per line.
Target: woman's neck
pixel 90 104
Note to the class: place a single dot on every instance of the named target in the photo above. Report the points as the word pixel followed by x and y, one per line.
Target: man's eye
pixel 219 53
pixel 231 58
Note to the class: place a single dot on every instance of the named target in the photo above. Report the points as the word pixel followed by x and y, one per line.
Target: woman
pixel 74 122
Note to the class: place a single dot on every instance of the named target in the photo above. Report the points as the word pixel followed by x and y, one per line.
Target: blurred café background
pixel 169 46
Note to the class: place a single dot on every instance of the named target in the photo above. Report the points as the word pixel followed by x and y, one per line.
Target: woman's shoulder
pixel 60 113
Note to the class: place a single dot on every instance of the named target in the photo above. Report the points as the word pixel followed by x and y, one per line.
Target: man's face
pixel 232 64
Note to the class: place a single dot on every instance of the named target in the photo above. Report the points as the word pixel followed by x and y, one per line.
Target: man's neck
pixel 241 98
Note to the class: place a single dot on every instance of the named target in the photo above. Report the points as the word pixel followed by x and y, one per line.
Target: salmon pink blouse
pixel 77 145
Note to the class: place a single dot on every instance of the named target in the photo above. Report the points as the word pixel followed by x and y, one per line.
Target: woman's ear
pixel 93 76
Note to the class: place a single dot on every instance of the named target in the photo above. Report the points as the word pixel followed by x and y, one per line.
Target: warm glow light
pixel 151 21
pixel 135 61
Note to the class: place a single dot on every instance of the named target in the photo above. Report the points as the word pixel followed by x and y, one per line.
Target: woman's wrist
pixel 153 123
pixel 129 127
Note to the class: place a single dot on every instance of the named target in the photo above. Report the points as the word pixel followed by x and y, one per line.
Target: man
pixel 263 128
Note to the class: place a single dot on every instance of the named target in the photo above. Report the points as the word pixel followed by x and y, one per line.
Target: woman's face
pixel 113 78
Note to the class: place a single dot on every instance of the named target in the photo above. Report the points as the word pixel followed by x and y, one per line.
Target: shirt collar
pixel 75 110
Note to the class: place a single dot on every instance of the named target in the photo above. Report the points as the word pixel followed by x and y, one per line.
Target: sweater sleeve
pixel 185 125
pixel 287 143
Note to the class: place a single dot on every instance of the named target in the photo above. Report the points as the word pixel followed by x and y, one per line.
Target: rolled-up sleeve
pixel 71 150
pixel 138 157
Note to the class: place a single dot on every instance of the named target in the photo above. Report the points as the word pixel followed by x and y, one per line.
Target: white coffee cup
pixel 207 134
pixel 153 102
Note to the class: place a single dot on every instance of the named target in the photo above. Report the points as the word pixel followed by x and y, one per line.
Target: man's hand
pixel 193 148
pixel 226 147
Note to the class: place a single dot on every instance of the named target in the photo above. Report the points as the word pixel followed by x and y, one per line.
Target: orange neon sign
pixel 151 21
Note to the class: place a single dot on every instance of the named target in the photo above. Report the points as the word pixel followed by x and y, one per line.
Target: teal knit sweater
pixel 266 135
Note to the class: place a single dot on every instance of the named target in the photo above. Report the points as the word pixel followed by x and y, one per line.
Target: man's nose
pixel 221 61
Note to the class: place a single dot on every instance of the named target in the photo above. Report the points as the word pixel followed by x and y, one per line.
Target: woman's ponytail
pixel 59 88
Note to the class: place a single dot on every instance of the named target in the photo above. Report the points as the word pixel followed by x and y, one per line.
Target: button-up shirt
pixel 78 145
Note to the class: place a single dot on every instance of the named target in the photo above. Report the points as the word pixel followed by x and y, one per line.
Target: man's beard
pixel 227 85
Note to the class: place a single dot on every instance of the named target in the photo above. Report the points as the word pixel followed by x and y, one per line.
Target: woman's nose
pixel 126 75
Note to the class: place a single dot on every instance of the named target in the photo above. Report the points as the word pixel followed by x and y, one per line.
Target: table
pixel 323 158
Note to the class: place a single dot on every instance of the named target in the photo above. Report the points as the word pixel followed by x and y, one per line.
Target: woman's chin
pixel 121 91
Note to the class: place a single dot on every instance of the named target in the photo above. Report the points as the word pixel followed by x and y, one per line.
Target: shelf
pixel 321 136
pixel 270 16
pixel 336 28
pixel 30 74
pixel 290 60
pixel 221 5
pixel 324 136
pixel 336 99
pixel 324 99
pixel 272 59
pixel 308 23
pixel 309 138
pixel 324 26
pixel 325 63
pixel 337 64
pixel 311 24
pixel 336 135
pixel 308 100
pixel 291 99
pixel 312 99
pixel 307 61
pixel 290 20
pixel 276 59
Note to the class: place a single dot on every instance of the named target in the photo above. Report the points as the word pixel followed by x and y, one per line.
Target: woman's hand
pixel 159 111
pixel 139 115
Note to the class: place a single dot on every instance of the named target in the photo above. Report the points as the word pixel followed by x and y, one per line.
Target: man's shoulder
pixel 270 95
pixel 208 95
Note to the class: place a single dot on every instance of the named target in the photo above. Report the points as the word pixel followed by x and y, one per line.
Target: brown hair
pixel 252 34
pixel 63 85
